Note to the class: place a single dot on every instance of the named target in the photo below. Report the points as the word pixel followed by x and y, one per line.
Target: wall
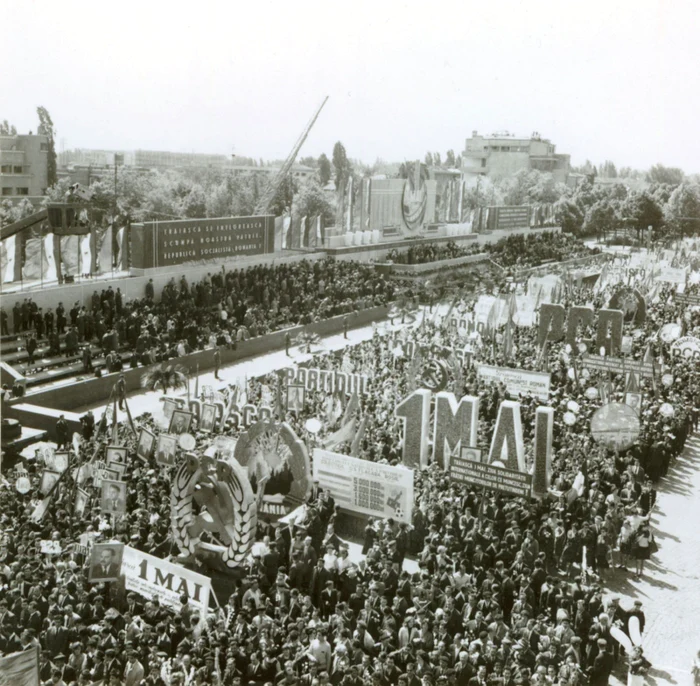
pixel 42 418
pixel 91 391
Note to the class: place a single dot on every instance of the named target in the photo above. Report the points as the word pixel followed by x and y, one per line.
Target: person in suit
pixel 133 672
pixel 107 567
pixel 114 503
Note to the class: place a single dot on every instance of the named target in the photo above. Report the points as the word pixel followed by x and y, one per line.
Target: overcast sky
pixel 612 79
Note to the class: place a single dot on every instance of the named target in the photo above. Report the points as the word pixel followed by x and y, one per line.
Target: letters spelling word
pixel 455 424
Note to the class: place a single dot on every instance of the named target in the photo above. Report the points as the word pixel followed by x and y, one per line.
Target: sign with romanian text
pixel 180 242
pixel 518 381
pixel 618 365
pixel 489 476
pixel 150 576
pixel 369 488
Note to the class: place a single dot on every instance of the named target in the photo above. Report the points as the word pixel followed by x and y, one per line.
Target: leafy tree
pixel 450 159
pixel 608 170
pixel 46 128
pixel 600 219
pixel 429 159
pixel 682 211
pixel 309 161
pixel 14 211
pixel 660 174
pixel 284 197
pixel 438 159
pixel 4 128
pixel 342 166
pixel 324 169
pixel 569 216
pixel 312 201
pixel 306 339
pixel 406 169
pixel 642 211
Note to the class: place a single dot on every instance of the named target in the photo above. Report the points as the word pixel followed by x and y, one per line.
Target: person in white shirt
pixel 330 559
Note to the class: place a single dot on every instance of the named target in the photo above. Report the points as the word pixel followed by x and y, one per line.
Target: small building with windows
pixel 503 154
pixel 23 166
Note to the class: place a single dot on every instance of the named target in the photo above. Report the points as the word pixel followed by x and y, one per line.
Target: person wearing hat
pixel 134 671
pixel 602 665
pixel 637 612
pixel 67 673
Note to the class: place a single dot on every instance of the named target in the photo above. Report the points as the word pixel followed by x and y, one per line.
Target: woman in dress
pixel 638 667
pixel 641 549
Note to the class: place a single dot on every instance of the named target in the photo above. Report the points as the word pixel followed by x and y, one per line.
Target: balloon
pixel 569 418
pixel 187 442
pixel 667 379
pixel 592 393
pixel 313 425
pixel 635 634
pixel 667 410
pixel 573 406
pixel 23 485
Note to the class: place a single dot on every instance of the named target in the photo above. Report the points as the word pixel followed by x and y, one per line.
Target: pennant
pixel 196 383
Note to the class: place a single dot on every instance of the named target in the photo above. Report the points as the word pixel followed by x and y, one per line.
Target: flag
pixel 342 435
pixel 359 435
pixel 196 383
pixel 20 669
pixel 348 227
pixel 350 409
pixel 508 339
pixel 39 511
pixel 115 425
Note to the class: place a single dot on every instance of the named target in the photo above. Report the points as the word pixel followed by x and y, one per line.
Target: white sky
pixel 613 79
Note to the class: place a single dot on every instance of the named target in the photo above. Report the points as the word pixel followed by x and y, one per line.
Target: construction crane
pixel 269 193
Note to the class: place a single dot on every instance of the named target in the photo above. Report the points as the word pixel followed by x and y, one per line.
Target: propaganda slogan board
pixel 618 365
pixel 472 473
pixel 366 487
pixel 688 298
pixel 180 242
pixel 150 576
pixel 518 381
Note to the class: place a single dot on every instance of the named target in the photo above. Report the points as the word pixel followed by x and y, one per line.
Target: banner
pixel 618 365
pixel 671 275
pixel 366 487
pixel 518 381
pixel 150 576
pixel 494 478
pixel 20 669
pixel 687 347
pixel 328 381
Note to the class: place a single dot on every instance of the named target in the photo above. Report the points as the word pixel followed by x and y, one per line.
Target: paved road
pixel 670 589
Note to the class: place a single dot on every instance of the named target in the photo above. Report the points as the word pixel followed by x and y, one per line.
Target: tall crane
pixel 269 193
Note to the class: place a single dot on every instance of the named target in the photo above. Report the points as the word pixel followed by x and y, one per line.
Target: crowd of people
pixel 220 309
pixel 519 251
pixel 499 596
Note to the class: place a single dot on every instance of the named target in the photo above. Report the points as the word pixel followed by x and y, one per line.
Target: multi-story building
pixel 504 154
pixel 299 171
pixel 23 165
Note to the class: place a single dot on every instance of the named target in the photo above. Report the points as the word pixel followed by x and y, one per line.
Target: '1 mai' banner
pixel 150 576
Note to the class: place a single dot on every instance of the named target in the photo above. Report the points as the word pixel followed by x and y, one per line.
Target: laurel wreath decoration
pixel 224 493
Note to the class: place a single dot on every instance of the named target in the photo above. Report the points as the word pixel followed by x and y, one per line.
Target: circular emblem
pixel 187 441
pixel 276 458
pixel 687 347
pixel 434 376
pixel 569 418
pixel 667 379
pixel 23 485
pixel 415 199
pixel 616 426
pixel 670 332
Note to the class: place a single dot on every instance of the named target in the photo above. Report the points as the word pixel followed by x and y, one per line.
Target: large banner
pixel 366 487
pixel 20 669
pixel 150 576
pixel 518 381
pixel 474 473
pixel 179 242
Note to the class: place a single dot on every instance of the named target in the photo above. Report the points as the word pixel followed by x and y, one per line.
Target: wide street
pixel 670 588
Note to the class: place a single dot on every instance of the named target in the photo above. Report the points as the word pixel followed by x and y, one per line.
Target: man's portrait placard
pixel 208 418
pixel 116 453
pixel 81 500
pixel 105 562
pixel 146 444
pixel 180 422
pixel 166 450
pixel 169 406
pixel 113 500
pixel 295 397
pixel 60 461
pixel 48 479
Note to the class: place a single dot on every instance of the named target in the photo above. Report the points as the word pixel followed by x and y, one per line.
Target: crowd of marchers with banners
pixel 441 522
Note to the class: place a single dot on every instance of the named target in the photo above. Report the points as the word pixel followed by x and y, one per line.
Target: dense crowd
pixel 499 596
pixel 519 251
pixel 220 309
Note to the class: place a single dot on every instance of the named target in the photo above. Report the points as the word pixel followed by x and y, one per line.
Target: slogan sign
pixel 688 298
pixel 672 275
pixel 618 365
pixel 687 347
pixel 473 473
pixel 327 381
pixel 150 576
pixel 518 381
pixel 178 242
pixel 366 487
